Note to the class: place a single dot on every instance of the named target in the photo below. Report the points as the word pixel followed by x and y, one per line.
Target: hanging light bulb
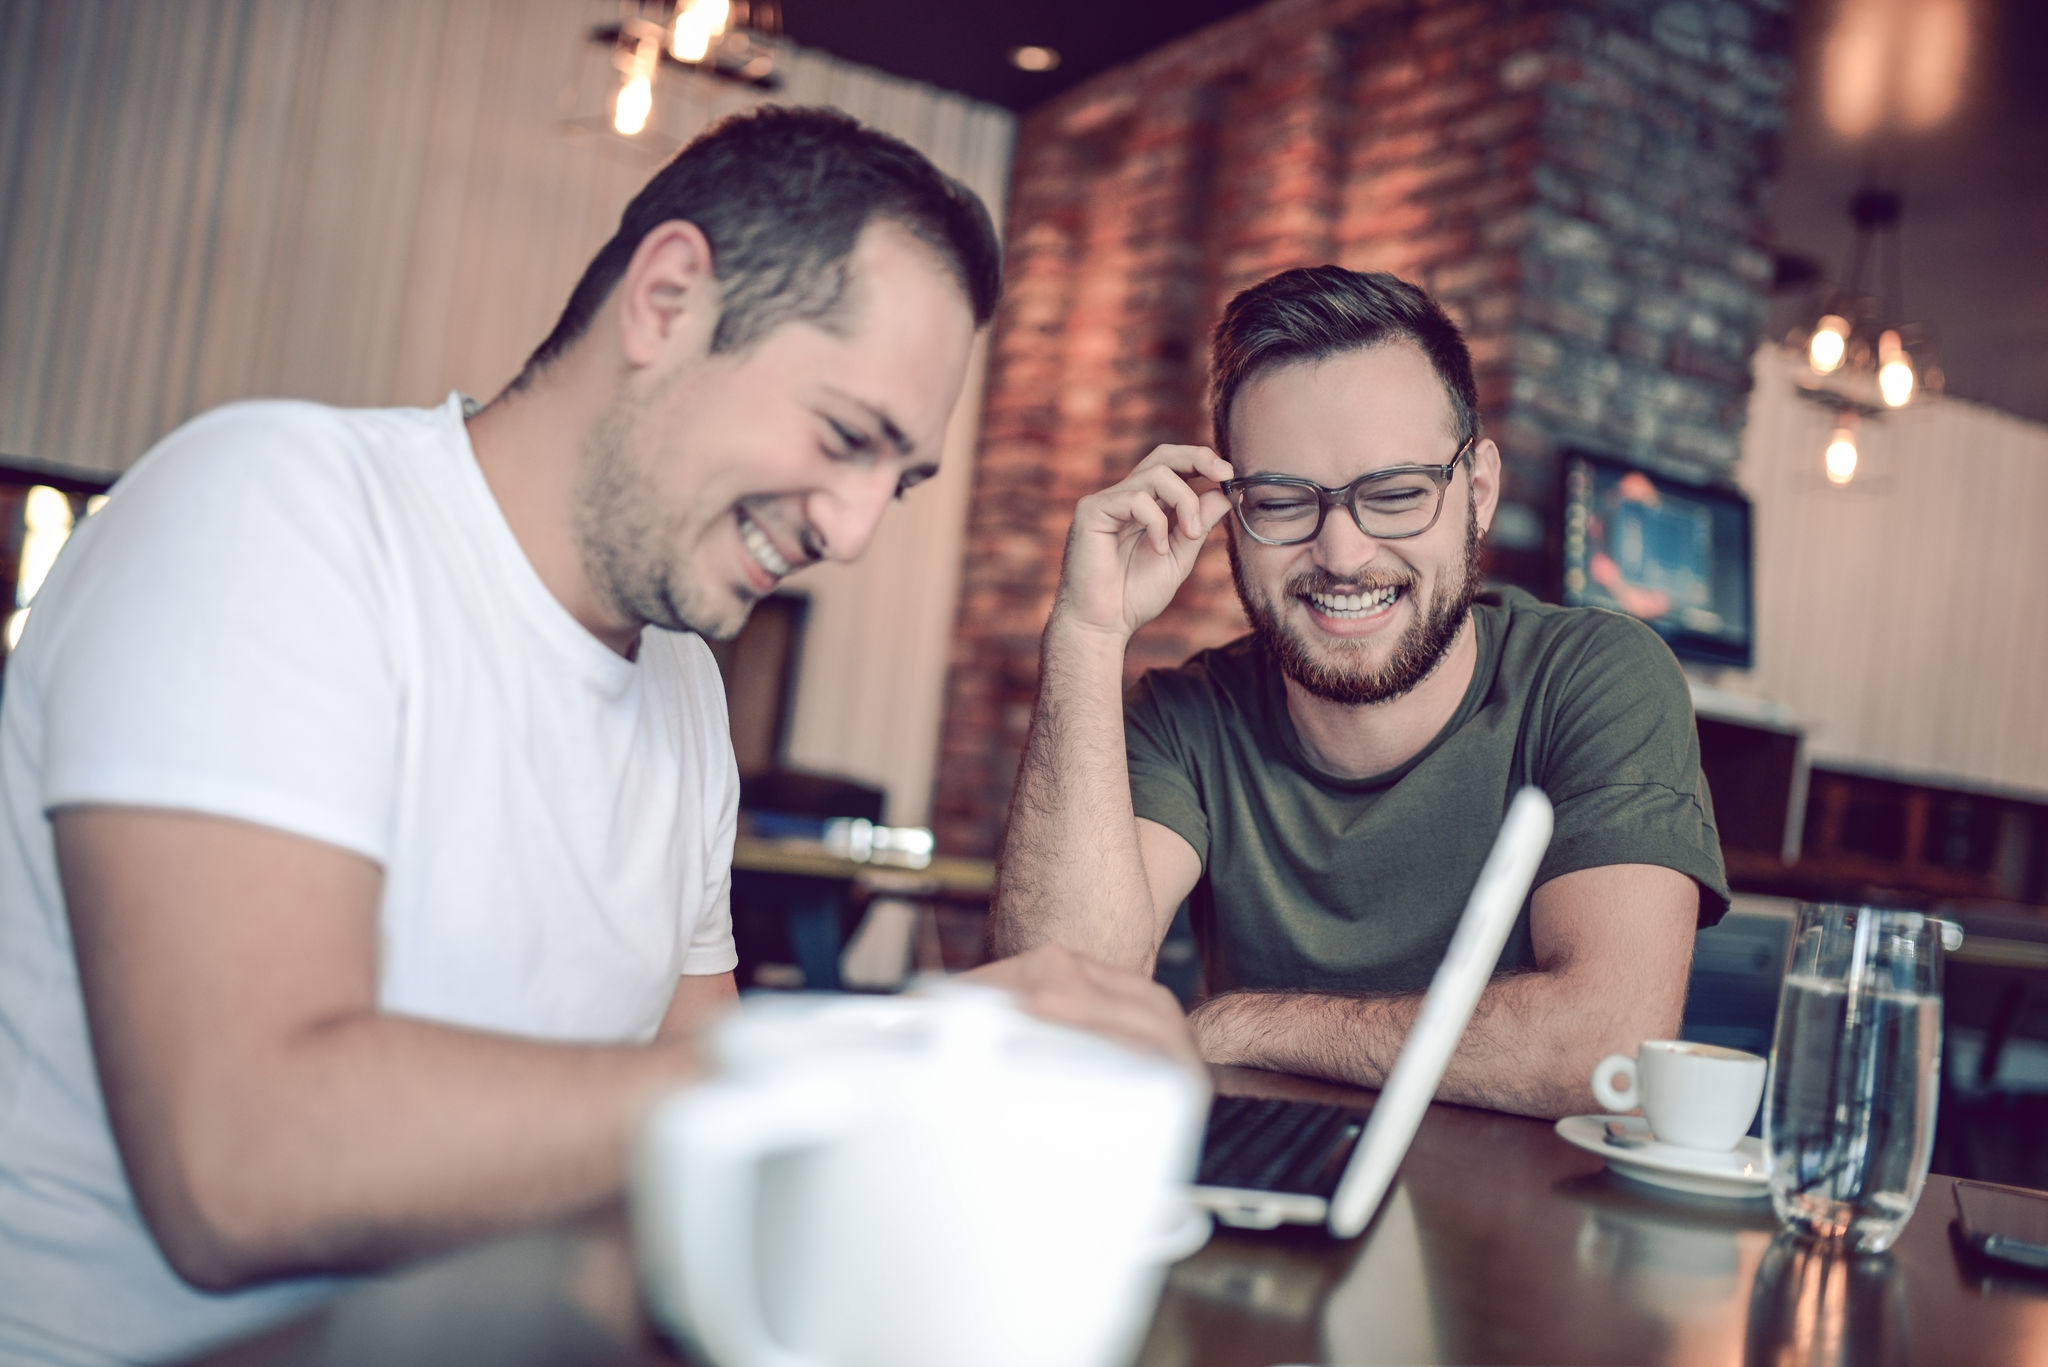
pixel 1830 344
pixel 734 40
pixel 1895 382
pixel 635 102
pixel 636 93
pixel 699 23
pixel 1841 457
pixel 1894 370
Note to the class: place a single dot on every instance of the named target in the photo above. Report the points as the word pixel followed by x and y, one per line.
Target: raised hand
pixel 1072 872
pixel 1133 545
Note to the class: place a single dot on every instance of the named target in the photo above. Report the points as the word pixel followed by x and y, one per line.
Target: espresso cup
pixel 1696 1096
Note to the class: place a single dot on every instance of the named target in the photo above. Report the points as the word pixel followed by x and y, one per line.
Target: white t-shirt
pixel 319 621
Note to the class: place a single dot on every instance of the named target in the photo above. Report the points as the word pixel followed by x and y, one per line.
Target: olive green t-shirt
pixel 1319 883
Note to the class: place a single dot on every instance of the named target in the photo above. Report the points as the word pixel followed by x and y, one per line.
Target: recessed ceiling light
pixel 1034 58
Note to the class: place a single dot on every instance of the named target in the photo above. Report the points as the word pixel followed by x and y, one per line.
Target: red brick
pixel 1143 199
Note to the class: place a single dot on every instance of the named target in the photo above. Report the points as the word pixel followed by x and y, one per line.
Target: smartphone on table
pixel 2009 1224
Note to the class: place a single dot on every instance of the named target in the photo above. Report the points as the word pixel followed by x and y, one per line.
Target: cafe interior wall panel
pixel 1904 618
pixel 1544 167
pixel 205 200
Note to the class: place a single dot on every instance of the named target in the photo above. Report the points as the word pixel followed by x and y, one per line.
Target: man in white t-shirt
pixel 368 800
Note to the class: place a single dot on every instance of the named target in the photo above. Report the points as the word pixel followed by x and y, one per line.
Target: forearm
pixel 1070 871
pixel 1529 1049
pixel 374 1138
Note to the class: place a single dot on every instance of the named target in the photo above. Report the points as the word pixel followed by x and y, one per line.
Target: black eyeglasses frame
pixel 1329 498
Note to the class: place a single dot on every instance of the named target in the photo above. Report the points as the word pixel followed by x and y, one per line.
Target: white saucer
pixel 1740 1174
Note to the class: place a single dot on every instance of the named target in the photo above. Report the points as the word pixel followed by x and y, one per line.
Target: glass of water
pixel 1855 1065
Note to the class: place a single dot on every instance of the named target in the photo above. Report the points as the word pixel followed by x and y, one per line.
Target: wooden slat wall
pixel 371 203
pixel 1905 617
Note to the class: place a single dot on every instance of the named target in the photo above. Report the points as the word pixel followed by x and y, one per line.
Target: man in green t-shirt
pixel 1323 791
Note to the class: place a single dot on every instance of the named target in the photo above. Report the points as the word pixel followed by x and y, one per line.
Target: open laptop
pixel 1267 1163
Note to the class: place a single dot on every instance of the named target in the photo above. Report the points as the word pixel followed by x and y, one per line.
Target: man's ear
pixel 1485 482
pixel 669 300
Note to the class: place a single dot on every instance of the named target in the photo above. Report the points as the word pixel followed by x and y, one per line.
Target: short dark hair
pixel 782 194
pixel 1315 312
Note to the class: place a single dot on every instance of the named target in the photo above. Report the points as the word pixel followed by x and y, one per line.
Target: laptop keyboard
pixel 1260 1144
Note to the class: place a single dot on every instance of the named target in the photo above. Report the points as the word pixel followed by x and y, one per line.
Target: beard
pixel 625 541
pixel 1336 673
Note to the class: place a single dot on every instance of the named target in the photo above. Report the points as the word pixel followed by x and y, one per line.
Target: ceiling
pixel 964 45
pixel 1975 189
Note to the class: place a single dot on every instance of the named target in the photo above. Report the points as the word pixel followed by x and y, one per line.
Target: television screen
pixel 1675 555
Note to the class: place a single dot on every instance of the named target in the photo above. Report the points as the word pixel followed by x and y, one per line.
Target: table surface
pixel 945 875
pixel 1500 1243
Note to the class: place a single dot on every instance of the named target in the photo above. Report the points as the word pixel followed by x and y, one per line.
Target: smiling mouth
pixel 760 547
pixel 1351 606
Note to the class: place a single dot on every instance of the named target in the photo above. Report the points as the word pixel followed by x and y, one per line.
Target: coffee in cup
pixel 1696 1096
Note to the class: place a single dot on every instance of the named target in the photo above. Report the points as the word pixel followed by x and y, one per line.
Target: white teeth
pixel 1355 604
pixel 761 548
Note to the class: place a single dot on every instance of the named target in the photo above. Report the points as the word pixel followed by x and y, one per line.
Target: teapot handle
pixel 700 1159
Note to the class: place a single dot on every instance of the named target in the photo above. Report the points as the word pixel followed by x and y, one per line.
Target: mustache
pixel 1322 581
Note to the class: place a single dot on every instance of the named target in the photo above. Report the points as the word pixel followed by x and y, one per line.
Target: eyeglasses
pixel 1387 505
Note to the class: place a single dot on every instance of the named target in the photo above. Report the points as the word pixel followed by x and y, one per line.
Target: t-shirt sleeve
pixel 1622 765
pixel 213 639
pixel 1163 785
pixel 711 948
pixel 708 945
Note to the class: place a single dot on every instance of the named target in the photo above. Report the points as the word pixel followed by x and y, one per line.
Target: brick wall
pixel 1580 182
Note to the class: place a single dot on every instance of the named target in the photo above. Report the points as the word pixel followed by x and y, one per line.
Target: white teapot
pixel 937 1181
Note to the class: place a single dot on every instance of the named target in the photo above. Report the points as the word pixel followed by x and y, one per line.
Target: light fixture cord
pixel 1896 295
pixel 1858 257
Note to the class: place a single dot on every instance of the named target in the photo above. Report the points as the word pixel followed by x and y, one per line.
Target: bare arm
pixel 270 1119
pixel 1077 868
pixel 1613 947
pixel 700 999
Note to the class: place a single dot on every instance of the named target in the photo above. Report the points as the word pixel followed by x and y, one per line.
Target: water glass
pixel 1855 1065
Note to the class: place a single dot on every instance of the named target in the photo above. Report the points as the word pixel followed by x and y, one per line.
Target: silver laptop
pixel 1267 1163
